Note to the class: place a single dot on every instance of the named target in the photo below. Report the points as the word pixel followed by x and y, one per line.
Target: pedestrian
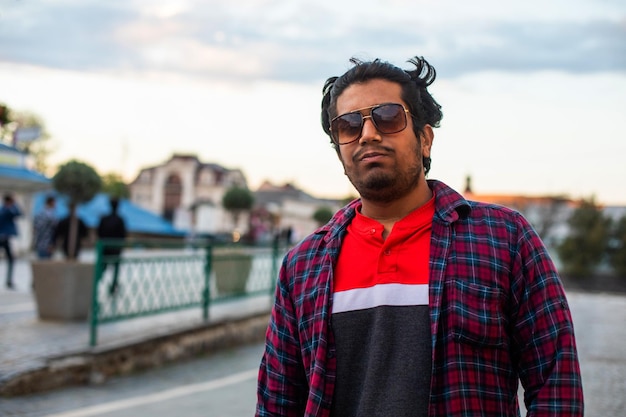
pixel 411 300
pixel 44 225
pixel 8 212
pixel 71 243
pixel 112 226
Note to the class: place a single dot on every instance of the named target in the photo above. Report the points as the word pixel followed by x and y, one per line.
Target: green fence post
pixel 206 294
pixel 274 273
pixel 95 308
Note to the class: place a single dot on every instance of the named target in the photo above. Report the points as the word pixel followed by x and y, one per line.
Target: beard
pixel 383 184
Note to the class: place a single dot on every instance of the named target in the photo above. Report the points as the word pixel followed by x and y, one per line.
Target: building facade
pixel 287 211
pixel 189 193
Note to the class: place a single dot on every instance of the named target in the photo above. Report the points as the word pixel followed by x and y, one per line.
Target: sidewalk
pixel 29 346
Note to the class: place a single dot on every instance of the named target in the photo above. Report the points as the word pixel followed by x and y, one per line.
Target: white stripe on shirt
pixel 380 295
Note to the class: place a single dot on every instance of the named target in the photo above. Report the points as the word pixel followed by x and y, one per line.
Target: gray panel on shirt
pixel 383 361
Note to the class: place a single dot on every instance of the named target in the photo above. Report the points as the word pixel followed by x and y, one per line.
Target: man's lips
pixel 371 155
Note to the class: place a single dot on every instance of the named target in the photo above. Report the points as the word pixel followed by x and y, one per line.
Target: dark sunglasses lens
pixel 346 128
pixel 389 118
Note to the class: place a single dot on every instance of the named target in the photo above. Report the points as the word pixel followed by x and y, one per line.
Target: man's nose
pixel 369 131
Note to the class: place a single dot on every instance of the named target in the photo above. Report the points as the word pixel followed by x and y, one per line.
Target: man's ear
pixel 427 137
pixel 338 152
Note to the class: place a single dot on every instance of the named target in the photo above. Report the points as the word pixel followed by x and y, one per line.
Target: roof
pixel 10 149
pixel 270 193
pixel 14 176
pixel 138 220
pixel 22 179
pixel 196 164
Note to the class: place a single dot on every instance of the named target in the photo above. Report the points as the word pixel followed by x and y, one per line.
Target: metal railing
pixel 154 277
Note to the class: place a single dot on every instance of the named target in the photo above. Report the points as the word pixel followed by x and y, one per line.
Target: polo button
pixel 387 252
pixel 372 231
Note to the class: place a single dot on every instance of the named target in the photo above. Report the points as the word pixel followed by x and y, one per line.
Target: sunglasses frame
pixel 368 116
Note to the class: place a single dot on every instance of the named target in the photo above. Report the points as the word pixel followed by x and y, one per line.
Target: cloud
pixel 587 47
pixel 301 42
pixel 61 35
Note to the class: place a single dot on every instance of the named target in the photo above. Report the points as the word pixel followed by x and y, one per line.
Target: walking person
pixel 112 226
pixel 412 300
pixel 44 225
pixel 8 212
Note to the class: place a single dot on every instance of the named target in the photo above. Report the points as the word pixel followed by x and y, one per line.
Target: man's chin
pixel 378 188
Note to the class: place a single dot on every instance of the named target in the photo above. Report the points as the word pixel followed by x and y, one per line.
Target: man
pixel 71 230
pixel 112 226
pixel 44 225
pixel 8 212
pixel 413 301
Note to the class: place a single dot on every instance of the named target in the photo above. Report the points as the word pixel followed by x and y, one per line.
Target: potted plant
pixel 231 265
pixel 63 288
pixel 232 268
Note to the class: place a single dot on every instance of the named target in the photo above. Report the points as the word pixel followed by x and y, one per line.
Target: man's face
pixel 382 167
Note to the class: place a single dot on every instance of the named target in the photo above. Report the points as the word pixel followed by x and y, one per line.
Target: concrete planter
pixel 63 289
pixel 231 272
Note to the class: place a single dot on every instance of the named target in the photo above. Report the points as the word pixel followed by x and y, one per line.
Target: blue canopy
pixel 14 176
pixel 138 220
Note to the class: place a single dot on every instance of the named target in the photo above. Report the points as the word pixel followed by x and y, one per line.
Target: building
pixel 189 193
pixel 548 214
pixel 286 210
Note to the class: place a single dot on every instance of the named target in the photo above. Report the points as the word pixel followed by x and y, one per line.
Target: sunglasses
pixel 386 117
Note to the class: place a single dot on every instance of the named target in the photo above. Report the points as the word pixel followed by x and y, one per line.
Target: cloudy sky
pixel 533 92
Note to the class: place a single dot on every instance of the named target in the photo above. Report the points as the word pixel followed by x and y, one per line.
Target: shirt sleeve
pixel 543 334
pixel 282 384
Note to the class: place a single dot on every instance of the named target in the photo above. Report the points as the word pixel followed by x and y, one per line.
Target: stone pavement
pixel 41 349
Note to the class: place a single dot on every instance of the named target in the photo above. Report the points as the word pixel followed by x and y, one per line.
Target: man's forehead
pixel 369 93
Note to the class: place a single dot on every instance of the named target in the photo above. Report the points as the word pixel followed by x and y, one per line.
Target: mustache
pixel 376 149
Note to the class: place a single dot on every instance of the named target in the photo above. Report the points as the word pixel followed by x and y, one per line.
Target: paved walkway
pixel 26 342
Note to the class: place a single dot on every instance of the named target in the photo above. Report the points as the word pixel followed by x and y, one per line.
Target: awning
pixel 138 220
pixel 16 178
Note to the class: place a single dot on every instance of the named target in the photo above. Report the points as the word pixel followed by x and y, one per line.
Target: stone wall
pixel 95 365
pixel 608 283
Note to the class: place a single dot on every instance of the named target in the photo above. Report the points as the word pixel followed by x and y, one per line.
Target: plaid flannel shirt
pixel 498 316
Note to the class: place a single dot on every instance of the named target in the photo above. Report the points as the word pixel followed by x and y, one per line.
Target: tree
pixel 37 147
pixel 322 215
pixel 237 200
pixel 80 183
pixel 5 114
pixel 114 186
pixel 585 246
pixel 347 199
pixel 548 215
pixel 7 124
pixel 617 248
